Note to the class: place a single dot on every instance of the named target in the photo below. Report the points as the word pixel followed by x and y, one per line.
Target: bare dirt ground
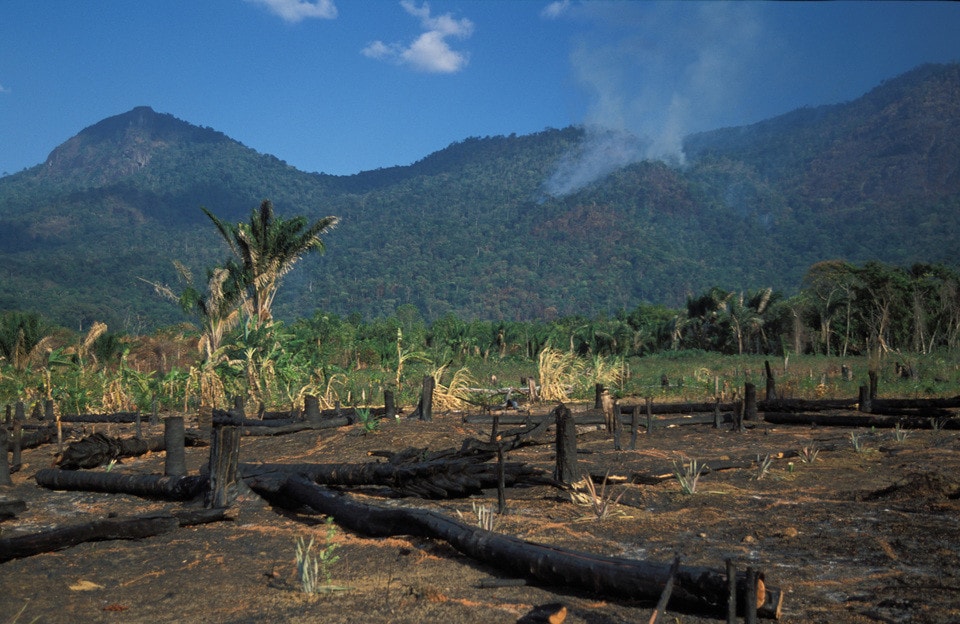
pixel 869 536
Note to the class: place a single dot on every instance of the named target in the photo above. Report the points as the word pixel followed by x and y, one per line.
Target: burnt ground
pixel 870 536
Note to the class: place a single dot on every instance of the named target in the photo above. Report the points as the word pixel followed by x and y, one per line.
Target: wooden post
pixel 598 396
pixel 731 592
pixel 749 401
pixel 4 465
pixel 495 429
pixel 224 460
pixel 534 396
pixel 137 426
pixel 426 399
pixel 606 404
pixel 617 427
pixel 48 410
pixel 865 404
pixel 501 481
pixel 390 408
pixel 238 407
pixel 15 460
pixel 154 413
pixel 873 384
pixel 8 416
pixel 716 414
pixel 771 382
pixel 566 470
pixel 311 409
pixel 20 412
pixel 634 426
pixel 649 415
pixel 175 463
pixel 205 419
pixel 750 597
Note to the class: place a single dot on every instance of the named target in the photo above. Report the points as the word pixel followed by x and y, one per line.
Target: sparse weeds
pixel 313 568
pixel 857 440
pixel 368 421
pixel 899 433
pixel 486 517
pixel 763 466
pixel 602 503
pixel 808 454
pixel 688 475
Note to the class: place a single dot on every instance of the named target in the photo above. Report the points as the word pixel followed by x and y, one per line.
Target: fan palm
pixel 267 248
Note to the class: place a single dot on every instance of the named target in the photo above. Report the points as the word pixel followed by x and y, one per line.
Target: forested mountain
pixel 471 230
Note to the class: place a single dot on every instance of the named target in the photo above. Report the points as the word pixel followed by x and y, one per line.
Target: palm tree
pixel 267 248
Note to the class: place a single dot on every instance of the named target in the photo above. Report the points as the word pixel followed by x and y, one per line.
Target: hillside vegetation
pixel 470 231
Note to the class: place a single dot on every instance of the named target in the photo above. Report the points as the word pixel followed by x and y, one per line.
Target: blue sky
pixel 343 86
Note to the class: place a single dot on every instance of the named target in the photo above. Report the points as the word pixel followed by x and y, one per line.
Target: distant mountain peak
pixel 119 146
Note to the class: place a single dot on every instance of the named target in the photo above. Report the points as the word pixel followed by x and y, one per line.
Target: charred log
pixel 698 590
pixel 151 486
pixel 100 530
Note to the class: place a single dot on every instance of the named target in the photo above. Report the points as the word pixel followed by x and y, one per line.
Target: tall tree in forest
pixel 267 248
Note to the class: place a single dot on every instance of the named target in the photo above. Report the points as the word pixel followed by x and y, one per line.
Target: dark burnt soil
pixel 870 536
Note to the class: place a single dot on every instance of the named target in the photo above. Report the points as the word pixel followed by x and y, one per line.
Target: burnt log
pixel 436 478
pixel 99 449
pixel 116 417
pixel 149 486
pixel 805 405
pixel 854 419
pixel 697 590
pixel 136 527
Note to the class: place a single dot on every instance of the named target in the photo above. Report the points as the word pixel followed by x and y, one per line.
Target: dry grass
pixel 454 395
pixel 559 371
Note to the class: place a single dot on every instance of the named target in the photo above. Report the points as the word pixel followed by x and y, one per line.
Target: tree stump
pixel 749 401
pixel 865 402
pixel 598 396
pixel 426 399
pixel 224 459
pixel 4 466
pixel 771 382
pixel 566 470
pixel 175 463
pixel 533 395
pixel 389 406
pixel 311 409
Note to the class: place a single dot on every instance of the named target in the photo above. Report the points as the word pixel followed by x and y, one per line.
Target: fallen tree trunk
pixel 154 486
pixel 107 529
pixel 861 420
pixel 438 478
pixel 698 590
pixel 268 430
pixel 98 449
pixel 117 417
pixel 806 405
pixel 596 417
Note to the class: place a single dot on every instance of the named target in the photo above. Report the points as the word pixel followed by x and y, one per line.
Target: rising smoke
pixel 654 73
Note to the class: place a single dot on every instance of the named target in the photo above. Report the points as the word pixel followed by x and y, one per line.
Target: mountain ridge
pixel 469 229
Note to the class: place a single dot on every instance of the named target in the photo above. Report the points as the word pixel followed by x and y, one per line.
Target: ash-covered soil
pixel 869 536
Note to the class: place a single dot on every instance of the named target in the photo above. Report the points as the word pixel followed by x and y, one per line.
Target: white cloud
pixel 294 11
pixel 3 89
pixel 555 9
pixel 430 52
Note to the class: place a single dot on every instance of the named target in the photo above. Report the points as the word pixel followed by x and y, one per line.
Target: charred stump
pixel 223 487
pixel 175 462
pixel 566 469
